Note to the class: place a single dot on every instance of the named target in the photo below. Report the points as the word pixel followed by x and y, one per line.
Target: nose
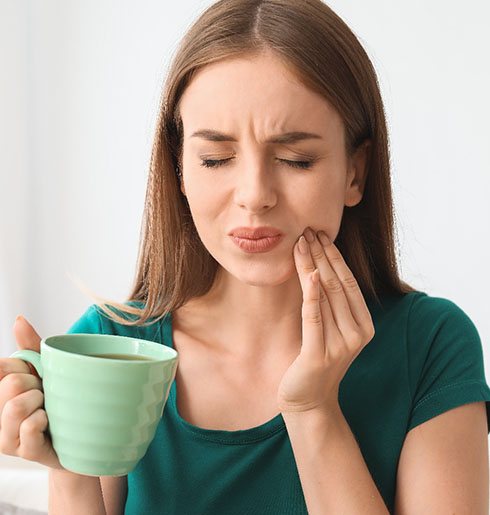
pixel 255 189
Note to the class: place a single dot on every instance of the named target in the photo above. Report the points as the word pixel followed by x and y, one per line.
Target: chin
pixel 263 274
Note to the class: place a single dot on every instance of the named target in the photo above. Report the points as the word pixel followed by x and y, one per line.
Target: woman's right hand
pixel 23 421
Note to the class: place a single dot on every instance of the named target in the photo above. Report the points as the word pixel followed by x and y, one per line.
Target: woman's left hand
pixel 336 327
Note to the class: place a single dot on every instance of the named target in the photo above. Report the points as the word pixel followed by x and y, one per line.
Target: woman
pixel 311 378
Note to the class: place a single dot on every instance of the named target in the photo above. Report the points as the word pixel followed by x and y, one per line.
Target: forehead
pixel 256 91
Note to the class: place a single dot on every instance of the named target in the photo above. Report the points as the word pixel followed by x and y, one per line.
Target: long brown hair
pixel 324 54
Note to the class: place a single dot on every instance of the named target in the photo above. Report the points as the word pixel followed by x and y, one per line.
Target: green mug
pixel 104 396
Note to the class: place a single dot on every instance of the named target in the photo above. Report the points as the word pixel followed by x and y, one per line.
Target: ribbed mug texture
pixel 103 413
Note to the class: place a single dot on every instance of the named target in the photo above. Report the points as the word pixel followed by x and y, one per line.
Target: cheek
pixel 202 189
pixel 206 217
pixel 321 209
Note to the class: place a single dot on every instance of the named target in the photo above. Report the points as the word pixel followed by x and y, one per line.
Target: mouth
pixel 255 245
pixel 255 233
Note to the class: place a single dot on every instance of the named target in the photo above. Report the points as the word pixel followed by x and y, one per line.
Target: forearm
pixel 74 494
pixel 332 470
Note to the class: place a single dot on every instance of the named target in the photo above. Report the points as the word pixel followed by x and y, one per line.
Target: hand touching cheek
pixel 336 327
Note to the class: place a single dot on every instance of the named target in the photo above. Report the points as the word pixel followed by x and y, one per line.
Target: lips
pixel 255 233
pixel 257 245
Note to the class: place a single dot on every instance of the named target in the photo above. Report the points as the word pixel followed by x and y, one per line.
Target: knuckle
pixel 312 317
pixel 354 339
pixel 369 334
pixel 40 395
pixel 14 410
pixel 14 384
pixel 323 298
pixel 333 354
pixel 8 447
pixel 30 426
pixel 3 368
pixel 350 283
pixel 317 254
pixel 33 424
pixel 307 269
pixel 336 258
pixel 333 285
pixel 36 398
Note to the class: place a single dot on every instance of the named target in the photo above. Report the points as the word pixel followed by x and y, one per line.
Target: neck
pixel 244 320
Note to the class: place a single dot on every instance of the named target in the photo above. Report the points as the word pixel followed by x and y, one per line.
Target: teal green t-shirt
pixel 425 358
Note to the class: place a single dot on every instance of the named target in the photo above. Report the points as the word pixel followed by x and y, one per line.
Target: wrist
pixel 66 477
pixel 75 494
pixel 318 417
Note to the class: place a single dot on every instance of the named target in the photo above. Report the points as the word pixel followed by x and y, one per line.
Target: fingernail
pixel 18 317
pixel 310 235
pixel 302 245
pixel 323 238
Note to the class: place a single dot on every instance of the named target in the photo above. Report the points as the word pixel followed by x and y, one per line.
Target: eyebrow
pixel 287 137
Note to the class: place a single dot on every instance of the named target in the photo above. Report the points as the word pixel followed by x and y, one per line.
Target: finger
pixel 313 343
pixel 33 439
pixel 27 338
pixel 12 366
pixel 355 299
pixel 25 335
pixel 333 287
pixel 16 384
pixel 13 414
pixel 303 261
pixel 313 334
pixel 306 265
pixel 330 330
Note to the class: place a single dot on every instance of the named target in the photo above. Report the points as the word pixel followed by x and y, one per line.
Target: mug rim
pixel 75 355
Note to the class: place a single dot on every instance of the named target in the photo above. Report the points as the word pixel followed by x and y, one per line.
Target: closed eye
pixel 215 163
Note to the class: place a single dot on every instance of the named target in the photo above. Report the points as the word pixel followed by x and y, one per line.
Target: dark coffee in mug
pixel 127 357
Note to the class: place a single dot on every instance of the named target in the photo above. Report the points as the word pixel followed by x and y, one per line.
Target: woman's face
pixel 244 179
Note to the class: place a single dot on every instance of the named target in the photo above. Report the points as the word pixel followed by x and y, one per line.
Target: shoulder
pixel 439 319
pixel 424 306
pixel 96 320
pixel 424 316
pixel 445 358
pixel 88 322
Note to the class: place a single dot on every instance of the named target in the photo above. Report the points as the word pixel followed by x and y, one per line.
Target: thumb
pixel 25 335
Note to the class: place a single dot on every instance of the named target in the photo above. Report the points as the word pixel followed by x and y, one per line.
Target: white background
pixel 80 84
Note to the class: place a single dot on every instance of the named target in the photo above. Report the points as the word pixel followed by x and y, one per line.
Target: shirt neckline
pixel 236 437
pixel 240 436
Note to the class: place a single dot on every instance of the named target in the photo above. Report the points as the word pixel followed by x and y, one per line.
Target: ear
pixel 357 174
pixel 181 178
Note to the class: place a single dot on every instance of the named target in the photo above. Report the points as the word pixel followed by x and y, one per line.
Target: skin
pixel 254 98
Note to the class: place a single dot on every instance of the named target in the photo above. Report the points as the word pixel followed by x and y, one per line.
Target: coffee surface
pixel 127 357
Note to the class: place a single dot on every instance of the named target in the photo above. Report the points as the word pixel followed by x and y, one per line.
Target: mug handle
pixel 32 357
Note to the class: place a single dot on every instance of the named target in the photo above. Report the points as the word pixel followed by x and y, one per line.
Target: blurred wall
pixel 16 193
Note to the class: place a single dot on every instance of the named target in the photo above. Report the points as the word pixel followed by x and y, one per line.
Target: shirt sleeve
pixel 445 359
pixel 88 323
